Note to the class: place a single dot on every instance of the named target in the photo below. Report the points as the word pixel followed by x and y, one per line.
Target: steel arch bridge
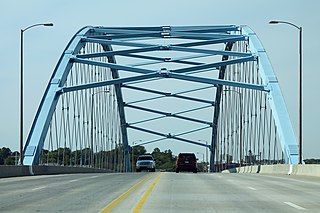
pixel 171 83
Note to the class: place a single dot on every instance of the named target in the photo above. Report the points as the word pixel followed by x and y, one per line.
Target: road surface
pixel 160 192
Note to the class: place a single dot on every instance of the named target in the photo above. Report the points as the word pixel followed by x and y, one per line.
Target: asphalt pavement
pixel 160 192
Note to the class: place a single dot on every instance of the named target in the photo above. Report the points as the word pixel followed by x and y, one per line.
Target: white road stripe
pixel 251 188
pixel 75 180
pixel 39 188
pixel 294 206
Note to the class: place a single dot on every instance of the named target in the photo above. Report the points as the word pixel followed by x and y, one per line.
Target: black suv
pixel 186 162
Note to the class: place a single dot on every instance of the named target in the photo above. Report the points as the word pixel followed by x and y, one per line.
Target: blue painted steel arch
pixel 281 115
pixel 206 35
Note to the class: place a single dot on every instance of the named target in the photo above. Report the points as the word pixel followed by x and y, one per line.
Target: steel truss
pixel 105 73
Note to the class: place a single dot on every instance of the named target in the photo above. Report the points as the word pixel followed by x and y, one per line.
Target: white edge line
pixel 38 188
pixel 294 206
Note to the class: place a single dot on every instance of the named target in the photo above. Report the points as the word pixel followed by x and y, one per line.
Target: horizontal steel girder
pixel 165 74
pixel 168 136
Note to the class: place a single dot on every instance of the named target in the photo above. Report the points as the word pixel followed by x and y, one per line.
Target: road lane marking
pixel 39 188
pixel 75 180
pixel 251 188
pixel 294 206
pixel 115 202
pixel 146 195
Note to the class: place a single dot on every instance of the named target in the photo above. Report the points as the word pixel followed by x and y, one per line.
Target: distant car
pixel 145 162
pixel 186 162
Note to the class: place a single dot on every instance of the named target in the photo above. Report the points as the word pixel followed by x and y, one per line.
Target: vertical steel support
pixel 115 75
pixel 214 138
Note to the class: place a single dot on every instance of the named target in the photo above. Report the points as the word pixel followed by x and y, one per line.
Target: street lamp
pixel 133 144
pixel 92 114
pixel 205 167
pixel 240 120
pixel 21 84
pixel 300 82
pixel 206 151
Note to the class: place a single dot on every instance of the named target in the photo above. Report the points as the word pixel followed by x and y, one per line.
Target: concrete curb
pixel 15 171
pixel 282 169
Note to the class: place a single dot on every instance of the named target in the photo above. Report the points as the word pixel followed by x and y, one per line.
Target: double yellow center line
pixel 137 209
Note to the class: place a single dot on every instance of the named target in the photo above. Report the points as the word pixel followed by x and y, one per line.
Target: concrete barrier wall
pixel 15 171
pixel 281 169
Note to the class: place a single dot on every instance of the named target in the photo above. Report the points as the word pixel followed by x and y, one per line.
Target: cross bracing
pixel 170 83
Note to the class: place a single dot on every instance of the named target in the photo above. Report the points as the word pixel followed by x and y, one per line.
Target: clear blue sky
pixel 43 46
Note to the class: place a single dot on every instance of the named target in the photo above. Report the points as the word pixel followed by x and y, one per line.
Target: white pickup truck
pixel 145 162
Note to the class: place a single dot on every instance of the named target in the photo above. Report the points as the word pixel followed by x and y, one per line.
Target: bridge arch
pixel 104 72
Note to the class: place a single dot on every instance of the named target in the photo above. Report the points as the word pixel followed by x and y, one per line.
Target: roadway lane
pixel 64 193
pixel 187 192
pixel 160 192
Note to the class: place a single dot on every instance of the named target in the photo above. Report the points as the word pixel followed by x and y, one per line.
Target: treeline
pixel 113 159
pixel 7 157
pixel 164 160
pixel 312 161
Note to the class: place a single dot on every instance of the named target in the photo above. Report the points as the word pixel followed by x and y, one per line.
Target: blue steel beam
pixel 199 29
pixel 121 112
pixel 178 134
pixel 112 42
pixel 164 31
pixel 174 60
pixel 281 116
pixel 217 81
pixel 210 52
pixel 161 96
pixel 120 52
pixel 205 29
pixel 162 74
pixel 106 83
pixel 216 64
pixel 168 114
pixel 164 116
pixel 168 94
pixel 38 132
pixel 161 60
pixel 168 136
pixel 216 113
pixel 112 66
pixel 213 41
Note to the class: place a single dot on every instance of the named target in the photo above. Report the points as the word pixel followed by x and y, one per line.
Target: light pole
pixel 205 167
pixel 240 121
pixel 92 128
pixel 133 144
pixel 21 83
pixel 206 152
pixel 300 82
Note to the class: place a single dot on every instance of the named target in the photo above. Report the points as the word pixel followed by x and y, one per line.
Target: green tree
pixel 4 154
pixel 312 161
pixel 10 160
pixel 164 160
pixel 135 152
